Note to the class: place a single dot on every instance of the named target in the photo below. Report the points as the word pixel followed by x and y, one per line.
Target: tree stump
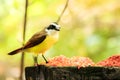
pixel 43 72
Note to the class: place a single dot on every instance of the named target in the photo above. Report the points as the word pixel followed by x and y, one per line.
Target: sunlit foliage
pixel 89 28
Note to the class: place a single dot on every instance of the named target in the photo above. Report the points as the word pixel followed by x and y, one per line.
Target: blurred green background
pixel 90 28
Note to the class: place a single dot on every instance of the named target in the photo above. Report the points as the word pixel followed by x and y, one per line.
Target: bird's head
pixel 53 27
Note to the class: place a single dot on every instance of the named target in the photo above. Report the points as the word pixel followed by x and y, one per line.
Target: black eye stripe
pixel 51 27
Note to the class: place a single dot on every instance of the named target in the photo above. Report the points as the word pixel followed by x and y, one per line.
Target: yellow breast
pixel 45 45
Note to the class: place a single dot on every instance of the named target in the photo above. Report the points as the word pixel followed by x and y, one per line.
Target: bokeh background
pixel 89 28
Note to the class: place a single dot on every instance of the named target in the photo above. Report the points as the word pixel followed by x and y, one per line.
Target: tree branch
pixel 24 33
pixel 63 11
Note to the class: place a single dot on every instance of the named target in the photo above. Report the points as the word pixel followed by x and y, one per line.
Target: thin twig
pixel 63 11
pixel 24 33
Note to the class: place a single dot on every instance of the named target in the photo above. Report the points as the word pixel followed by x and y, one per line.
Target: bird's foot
pixel 36 64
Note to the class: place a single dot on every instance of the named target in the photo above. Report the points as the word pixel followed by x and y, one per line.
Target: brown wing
pixel 35 39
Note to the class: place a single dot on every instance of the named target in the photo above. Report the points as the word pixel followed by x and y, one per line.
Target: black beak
pixel 57 29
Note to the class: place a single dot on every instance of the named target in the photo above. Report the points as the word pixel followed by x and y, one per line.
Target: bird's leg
pixel 44 58
pixel 35 60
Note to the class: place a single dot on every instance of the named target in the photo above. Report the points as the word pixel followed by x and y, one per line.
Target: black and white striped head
pixel 54 27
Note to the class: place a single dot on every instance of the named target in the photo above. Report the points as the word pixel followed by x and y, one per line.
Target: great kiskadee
pixel 40 42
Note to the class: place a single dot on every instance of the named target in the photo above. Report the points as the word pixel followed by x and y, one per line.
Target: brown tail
pixel 15 51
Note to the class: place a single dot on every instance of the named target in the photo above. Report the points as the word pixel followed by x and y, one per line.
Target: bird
pixel 40 42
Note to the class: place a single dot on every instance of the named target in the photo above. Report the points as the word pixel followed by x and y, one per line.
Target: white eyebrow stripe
pixel 55 24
